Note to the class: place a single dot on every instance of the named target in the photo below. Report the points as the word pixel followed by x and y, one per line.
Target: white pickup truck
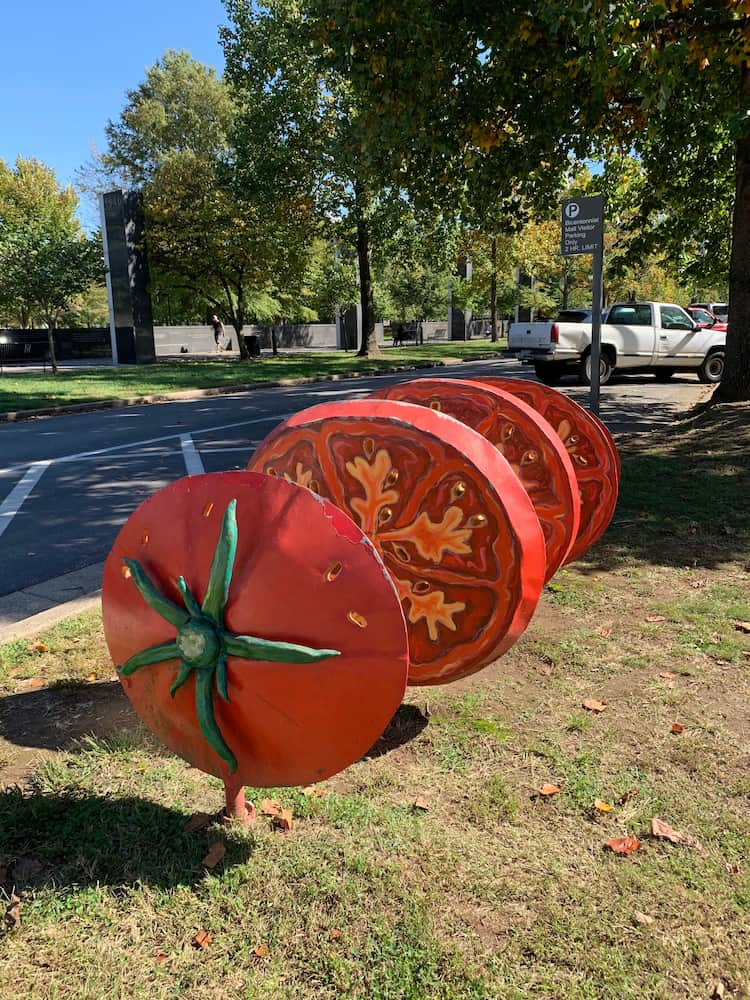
pixel 637 336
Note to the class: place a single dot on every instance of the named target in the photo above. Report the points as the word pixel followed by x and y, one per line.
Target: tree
pixel 496 99
pixel 237 255
pixel 46 260
pixel 295 136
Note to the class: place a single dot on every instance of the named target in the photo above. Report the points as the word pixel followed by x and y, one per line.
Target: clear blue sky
pixel 65 67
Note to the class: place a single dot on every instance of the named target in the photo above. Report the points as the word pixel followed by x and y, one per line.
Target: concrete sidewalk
pixel 30 611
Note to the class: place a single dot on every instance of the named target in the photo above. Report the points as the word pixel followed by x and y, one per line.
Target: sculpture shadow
pixel 59 717
pixel 406 725
pixel 74 838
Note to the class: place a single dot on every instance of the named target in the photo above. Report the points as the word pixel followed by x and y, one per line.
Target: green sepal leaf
pixel 204 707
pixel 154 654
pixel 221 677
pixel 190 602
pixel 220 576
pixel 173 613
pixel 251 648
pixel 182 676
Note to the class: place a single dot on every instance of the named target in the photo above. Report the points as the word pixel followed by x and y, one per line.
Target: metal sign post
pixel 583 233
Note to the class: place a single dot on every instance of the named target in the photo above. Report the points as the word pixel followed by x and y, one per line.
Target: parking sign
pixel 582 225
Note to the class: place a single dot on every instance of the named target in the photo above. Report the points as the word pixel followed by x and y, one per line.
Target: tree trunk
pixel 735 384
pixel 493 291
pixel 369 346
pixel 51 343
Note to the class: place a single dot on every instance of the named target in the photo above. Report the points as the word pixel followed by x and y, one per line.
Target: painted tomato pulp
pixel 283 618
pixel 590 447
pixel 447 514
pixel 526 440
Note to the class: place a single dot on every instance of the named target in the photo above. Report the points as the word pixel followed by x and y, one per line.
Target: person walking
pixel 218 331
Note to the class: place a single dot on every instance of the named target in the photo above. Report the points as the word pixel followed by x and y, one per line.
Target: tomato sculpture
pixel 590 446
pixel 254 630
pixel 526 440
pixel 445 511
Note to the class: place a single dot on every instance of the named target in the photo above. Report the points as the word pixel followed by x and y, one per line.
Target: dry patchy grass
pixel 492 892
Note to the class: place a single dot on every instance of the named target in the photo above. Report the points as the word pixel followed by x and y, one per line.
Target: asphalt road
pixel 68 483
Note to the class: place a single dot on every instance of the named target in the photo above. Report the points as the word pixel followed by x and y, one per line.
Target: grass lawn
pixel 37 390
pixel 494 891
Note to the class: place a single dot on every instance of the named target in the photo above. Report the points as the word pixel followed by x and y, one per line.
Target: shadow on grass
pixel 59 717
pixel 406 725
pixel 73 838
pixel 684 497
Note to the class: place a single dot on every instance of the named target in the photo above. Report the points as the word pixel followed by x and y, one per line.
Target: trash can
pixel 252 345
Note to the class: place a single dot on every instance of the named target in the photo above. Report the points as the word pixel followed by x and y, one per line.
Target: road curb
pixel 43 620
pixel 16 416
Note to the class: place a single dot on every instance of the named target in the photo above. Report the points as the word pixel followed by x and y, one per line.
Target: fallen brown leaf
pixel 667 675
pixel 35 683
pixel 643 919
pixel 270 807
pixel 215 853
pixel 547 790
pixel 663 831
pixel 652 619
pixel 13 912
pixel 603 807
pixel 592 705
pixel 261 951
pixel 421 803
pixel 743 627
pixel 315 791
pixel 677 728
pixel 198 821
pixel 161 958
pixel 605 633
pixel 334 935
pixel 202 939
pixel 624 845
pixel 283 821
pixel 38 647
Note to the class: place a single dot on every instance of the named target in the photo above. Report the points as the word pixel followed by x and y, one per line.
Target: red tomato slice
pixel 453 525
pixel 535 452
pixel 303 573
pixel 591 449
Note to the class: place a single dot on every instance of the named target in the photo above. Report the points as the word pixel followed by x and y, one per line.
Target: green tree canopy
pixel 46 260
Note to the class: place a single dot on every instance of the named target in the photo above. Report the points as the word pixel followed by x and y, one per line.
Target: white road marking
pixel 146 441
pixel 193 461
pixel 12 503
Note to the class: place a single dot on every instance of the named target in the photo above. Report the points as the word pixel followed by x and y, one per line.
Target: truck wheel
pixel 712 368
pixel 548 373
pixel 663 374
pixel 605 369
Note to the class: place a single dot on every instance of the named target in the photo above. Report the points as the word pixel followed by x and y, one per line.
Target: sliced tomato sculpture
pixel 526 440
pixel 591 449
pixel 447 514
pixel 254 629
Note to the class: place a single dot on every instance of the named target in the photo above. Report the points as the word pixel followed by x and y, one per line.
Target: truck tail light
pixel 554 334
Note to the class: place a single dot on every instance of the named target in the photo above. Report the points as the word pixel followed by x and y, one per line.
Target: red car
pixel 706 319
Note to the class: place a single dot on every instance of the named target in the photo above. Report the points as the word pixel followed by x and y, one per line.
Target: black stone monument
pixel 130 319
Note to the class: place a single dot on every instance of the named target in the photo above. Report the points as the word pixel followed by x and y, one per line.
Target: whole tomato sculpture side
pixel 523 437
pixel 254 629
pixel 592 451
pixel 447 514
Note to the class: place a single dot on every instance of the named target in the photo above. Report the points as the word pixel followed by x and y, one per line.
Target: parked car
pixel 719 309
pixel 706 320
pixel 637 336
